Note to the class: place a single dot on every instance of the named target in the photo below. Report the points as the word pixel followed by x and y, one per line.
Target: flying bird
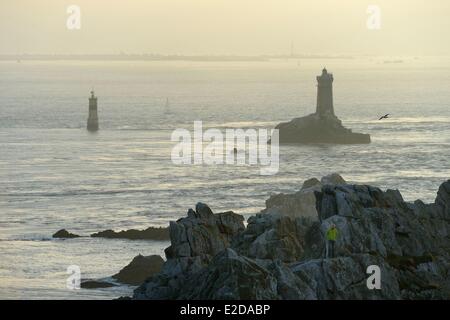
pixel 384 117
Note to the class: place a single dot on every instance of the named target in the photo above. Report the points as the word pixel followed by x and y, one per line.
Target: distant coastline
pixel 160 57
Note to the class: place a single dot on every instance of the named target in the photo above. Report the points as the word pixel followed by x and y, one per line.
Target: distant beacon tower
pixel 92 122
pixel 325 94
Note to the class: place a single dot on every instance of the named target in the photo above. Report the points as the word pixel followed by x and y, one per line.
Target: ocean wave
pixel 74 193
pixel 403 120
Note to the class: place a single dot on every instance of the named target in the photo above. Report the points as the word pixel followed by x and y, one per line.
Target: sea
pixel 55 174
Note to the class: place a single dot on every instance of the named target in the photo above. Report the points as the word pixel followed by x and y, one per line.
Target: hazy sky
pixel 408 27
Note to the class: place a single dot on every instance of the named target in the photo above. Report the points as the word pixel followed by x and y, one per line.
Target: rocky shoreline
pixel 280 253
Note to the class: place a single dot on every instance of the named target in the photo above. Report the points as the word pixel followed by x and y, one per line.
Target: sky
pixel 242 27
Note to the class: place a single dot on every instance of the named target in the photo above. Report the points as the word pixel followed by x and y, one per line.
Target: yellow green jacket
pixel 332 234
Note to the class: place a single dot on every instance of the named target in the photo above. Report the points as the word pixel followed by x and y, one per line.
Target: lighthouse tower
pixel 325 94
pixel 92 122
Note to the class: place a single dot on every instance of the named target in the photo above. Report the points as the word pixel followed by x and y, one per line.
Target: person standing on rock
pixel 332 234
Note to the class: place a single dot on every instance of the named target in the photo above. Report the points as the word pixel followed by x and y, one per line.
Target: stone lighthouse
pixel 322 126
pixel 325 94
pixel 92 122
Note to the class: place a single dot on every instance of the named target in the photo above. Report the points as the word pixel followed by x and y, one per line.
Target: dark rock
pixel 333 179
pixel 302 203
pixel 195 240
pixel 322 126
pixel 299 204
pixel 345 278
pixel 316 129
pixel 64 234
pixel 370 220
pixel 96 284
pixel 280 255
pixel 311 183
pixel 203 233
pixel 139 269
pixel 228 276
pixel 203 211
pixel 271 236
pixel 443 198
pixel 151 233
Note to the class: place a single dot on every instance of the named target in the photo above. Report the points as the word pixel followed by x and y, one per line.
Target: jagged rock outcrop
pixel 96 284
pixel 281 256
pixel 136 272
pixel 443 200
pixel 272 236
pixel 202 233
pixel 314 128
pixel 344 278
pixel 151 233
pixel 323 126
pixel 64 234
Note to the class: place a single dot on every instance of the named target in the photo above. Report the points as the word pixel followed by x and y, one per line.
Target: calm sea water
pixel 54 174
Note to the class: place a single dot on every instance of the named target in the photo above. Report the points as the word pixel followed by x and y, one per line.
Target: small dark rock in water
pixel 150 233
pixel 203 233
pixel 64 234
pixel 139 269
pixel 96 284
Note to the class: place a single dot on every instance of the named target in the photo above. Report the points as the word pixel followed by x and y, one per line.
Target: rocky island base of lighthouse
pixel 92 122
pixel 323 126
